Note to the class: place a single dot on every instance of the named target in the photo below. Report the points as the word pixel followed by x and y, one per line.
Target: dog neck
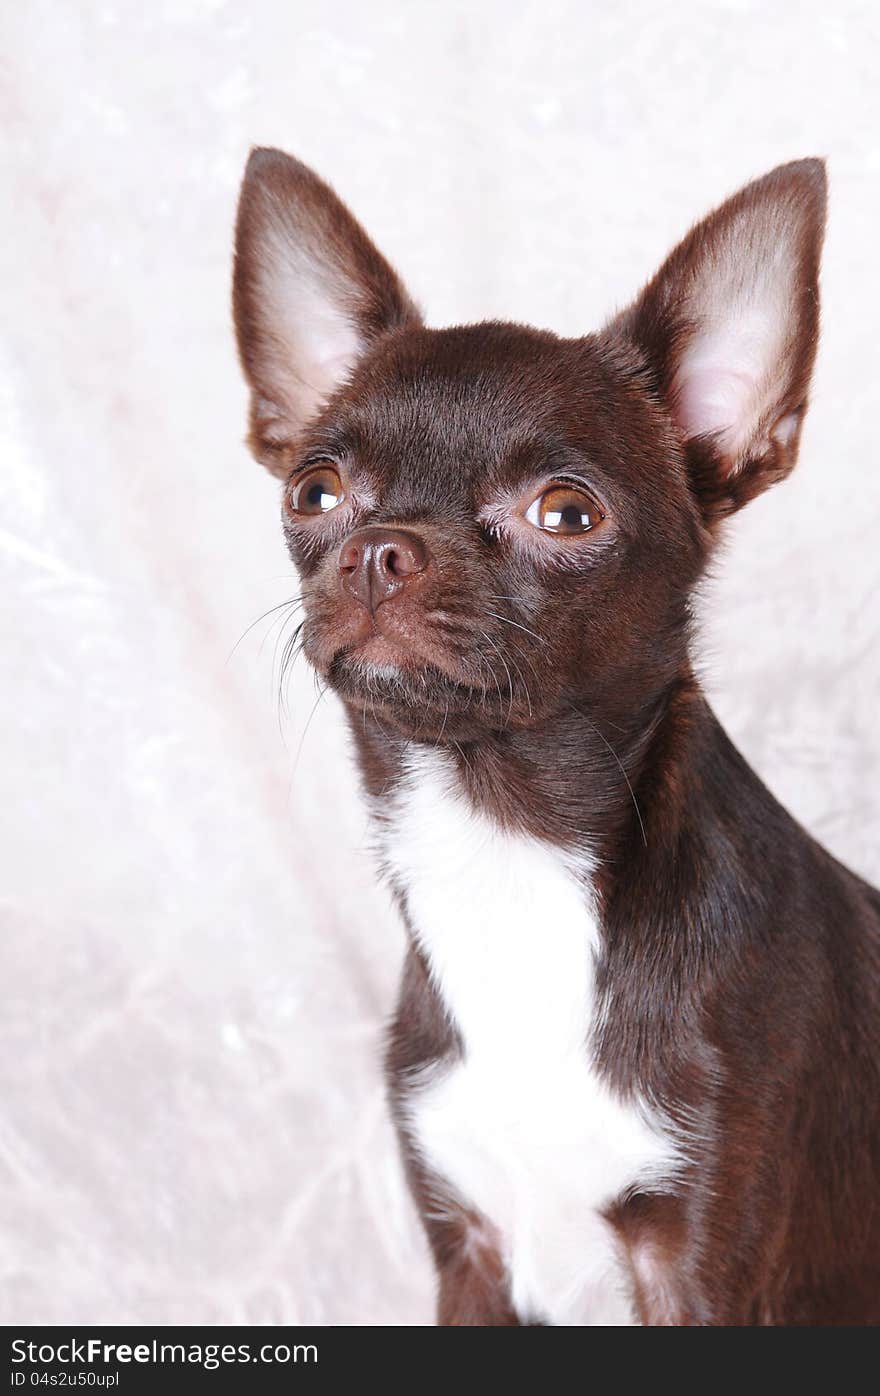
pixel 577 781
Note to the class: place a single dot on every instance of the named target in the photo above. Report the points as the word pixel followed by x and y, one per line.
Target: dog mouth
pixel 378 673
pixel 419 699
pixel 424 680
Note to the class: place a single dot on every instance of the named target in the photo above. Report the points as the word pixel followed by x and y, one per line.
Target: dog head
pixel 493 524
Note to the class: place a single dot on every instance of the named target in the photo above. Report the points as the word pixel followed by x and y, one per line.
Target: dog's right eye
pixel 317 491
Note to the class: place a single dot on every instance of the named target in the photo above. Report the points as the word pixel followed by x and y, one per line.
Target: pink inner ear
pixel 785 428
pixel 710 401
pixel 739 301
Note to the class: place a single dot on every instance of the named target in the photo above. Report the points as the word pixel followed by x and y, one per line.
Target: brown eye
pixel 564 509
pixel 317 492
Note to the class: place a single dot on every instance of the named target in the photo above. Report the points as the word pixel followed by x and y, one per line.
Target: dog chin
pixel 419 701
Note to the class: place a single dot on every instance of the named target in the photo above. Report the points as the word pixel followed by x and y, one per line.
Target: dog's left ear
pixel 729 328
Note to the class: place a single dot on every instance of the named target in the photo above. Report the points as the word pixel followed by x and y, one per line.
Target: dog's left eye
pixel 564 509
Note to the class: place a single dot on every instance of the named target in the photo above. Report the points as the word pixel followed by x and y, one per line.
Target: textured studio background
pixel 196 964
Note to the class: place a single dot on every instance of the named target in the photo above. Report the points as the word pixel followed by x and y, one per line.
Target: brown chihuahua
pixel 635 1067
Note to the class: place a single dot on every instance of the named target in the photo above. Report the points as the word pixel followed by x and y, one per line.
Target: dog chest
pixel 522 1129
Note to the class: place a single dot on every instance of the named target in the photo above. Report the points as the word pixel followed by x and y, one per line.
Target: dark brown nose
pixel 375 563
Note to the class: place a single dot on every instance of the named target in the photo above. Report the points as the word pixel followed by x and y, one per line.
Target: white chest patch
pixel 522 1129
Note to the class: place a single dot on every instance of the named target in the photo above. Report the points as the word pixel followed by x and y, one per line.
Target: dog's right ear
pixel 310 293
